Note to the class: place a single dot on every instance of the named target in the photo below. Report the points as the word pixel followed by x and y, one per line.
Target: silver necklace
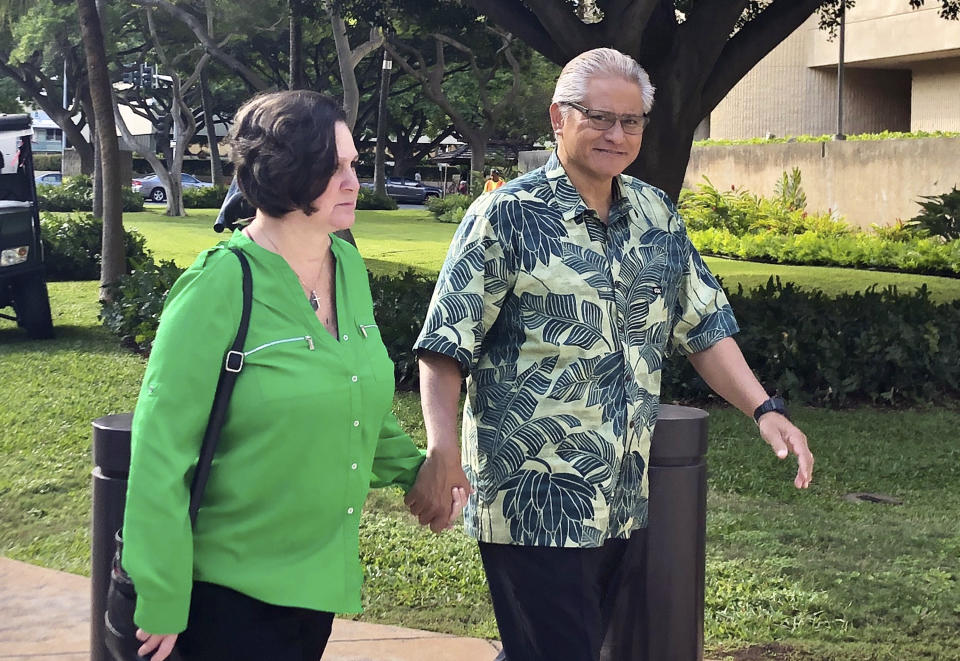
pixel 313 298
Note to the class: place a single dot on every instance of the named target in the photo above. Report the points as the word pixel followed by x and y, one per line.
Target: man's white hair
pixel 601 63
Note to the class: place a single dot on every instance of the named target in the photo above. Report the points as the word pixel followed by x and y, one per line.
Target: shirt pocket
pixel 278 368
pixel 373 349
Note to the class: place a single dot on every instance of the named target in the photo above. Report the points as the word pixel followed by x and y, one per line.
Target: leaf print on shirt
pixel 559 317
pixel 593 266
pixel 591 455
pixel 503 340
pixel 454 301
pixel 628 501
pixel 640 284
pixel 600 380
pixel 547 509
pixel 517 435
pixel 530 228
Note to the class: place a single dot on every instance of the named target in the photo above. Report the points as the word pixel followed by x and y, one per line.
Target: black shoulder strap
pixel 232 364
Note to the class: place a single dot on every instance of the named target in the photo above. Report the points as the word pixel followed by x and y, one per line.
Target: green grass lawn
pixel 391 241
pixel 820 576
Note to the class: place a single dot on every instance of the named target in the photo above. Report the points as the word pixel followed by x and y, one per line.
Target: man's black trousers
pixel 569 604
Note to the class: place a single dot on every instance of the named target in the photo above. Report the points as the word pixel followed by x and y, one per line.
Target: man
pixel 494 182
pixel 560 296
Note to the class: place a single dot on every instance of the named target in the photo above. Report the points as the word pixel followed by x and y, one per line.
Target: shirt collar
pixel 567 197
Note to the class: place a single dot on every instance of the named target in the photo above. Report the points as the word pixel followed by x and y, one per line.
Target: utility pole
pixel 379 173
pixel 843 25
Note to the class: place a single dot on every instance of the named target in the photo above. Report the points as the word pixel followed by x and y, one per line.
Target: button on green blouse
pixel 309 430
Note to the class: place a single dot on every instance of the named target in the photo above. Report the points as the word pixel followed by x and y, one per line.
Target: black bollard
pixel 111 458
pixel 659 614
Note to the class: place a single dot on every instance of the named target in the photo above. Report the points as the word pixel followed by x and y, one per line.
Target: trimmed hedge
pixel 926 255
pixel 204 198
pixel 368 200
pixel 879 346
pixel 72 244
pixel 76 194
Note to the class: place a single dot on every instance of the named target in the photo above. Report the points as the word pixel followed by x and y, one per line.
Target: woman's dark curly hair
pixel 284 149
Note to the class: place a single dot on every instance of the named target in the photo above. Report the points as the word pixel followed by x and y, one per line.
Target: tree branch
pixel 517 19
pixel 251 77
pixel 751 44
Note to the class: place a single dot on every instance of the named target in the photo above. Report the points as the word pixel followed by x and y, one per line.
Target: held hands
pixel 441 489
pixel 162 643
pixel 785 438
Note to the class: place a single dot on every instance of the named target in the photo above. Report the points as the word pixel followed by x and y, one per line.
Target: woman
pixel 274 552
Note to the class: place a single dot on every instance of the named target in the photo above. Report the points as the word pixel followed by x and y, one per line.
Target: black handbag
pixel 119 629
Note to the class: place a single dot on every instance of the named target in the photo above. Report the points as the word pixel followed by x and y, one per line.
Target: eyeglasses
pixel 604 121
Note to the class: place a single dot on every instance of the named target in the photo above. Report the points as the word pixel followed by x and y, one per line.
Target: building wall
pixel 902 73
pixel 868 182
pixel 936 96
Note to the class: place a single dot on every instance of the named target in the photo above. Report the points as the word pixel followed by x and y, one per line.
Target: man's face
pixel 591 153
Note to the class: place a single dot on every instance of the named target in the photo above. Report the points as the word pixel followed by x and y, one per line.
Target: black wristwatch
pixel 773 404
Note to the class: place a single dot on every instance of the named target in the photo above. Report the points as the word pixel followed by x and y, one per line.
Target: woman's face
pixel 338 203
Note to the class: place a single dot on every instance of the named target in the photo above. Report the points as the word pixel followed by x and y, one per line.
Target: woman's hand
pixel 160 645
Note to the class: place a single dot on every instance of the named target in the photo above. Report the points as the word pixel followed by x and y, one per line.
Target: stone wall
pixel 866 181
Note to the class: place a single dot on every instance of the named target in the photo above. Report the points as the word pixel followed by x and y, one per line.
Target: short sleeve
pixel 703 315
pixel 472 286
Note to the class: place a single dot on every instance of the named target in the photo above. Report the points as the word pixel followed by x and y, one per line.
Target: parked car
pixel 151 188
pixel 408 191
pixel 50 179
pixel 23 283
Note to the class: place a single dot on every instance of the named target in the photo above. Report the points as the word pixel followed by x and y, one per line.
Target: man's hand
pixel 431 498
pixel 162 643
pixel 785 438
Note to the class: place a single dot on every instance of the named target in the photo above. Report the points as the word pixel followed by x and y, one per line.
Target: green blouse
pixel 309 430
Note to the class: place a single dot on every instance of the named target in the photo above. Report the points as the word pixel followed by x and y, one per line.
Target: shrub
pixel 369 200
pixel 43 162
pixel 740 212
pixel 76 194
pixel 941 215
pixel 72 244
pixel 204 198
pixel 879 346
pixel 918 254
pixel 136 300
pixel 449 209
pixel 400 306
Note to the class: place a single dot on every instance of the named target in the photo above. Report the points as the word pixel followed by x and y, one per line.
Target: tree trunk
pixel 296 45
pixel 97 177
pixel 478 155
pixel 113 257
pixel 213 142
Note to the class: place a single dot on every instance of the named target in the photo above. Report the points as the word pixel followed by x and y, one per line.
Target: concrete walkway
pixel 45 616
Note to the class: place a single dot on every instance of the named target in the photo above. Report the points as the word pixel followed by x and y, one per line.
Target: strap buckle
pixel 234 362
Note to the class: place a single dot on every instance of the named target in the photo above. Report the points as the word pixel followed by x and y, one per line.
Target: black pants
pixel 558 604
pixel 230 626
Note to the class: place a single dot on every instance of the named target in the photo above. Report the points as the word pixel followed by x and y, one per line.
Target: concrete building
pixel 902 73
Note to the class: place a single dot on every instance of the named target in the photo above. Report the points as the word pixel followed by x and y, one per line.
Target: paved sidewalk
pixel 45 616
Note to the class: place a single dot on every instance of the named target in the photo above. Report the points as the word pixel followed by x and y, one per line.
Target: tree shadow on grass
pixel 66 338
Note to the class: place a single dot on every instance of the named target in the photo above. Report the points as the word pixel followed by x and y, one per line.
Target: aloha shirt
pixel 561 324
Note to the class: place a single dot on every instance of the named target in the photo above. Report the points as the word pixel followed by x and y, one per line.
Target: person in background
pixel 494 182
pixel 561 296
pixel 309 430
